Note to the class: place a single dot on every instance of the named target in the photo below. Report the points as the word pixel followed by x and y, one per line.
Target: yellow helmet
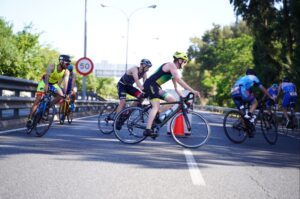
pixel 180 55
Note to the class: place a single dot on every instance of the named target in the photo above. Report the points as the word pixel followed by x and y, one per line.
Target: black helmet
pixel 147 62
pixel 286 79
pixel 250 71
pixel 65 58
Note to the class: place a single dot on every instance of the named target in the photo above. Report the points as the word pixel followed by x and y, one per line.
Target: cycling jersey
pixel 152 85
pixel 125 85
pixel 289 93
pixel 242 90
pixel 129 80
pixel 273 93
pixel 160 76
pixel 55 76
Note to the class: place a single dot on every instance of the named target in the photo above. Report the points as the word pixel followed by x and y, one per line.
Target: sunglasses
pixel 66 63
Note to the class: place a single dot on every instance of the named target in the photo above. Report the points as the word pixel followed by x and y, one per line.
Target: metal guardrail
pixel 17 96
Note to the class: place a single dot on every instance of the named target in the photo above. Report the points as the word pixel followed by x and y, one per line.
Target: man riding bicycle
pixel 289 96
pixel 242 93
pixel 152 87
pixel 53 74
pixel 125 84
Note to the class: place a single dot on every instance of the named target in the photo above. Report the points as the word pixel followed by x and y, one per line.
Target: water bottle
pixel 166 114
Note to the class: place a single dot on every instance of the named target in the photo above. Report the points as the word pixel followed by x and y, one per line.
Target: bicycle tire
pixel 130 124
pixel 45 121
pixel 198 134
pixel 61 113
pixel 234 127
pixel 105 123
pixel 70 116
pixel 269 128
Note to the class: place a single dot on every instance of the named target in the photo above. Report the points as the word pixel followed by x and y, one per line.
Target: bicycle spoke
pixel 190 132
pixel 234 127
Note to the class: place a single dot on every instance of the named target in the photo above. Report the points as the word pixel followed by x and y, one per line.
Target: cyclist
pixel 273 91
pixel 152 87
pixel 125 84
pixel 289 96
pixel 241 93
pixel 71 86
pixel 53 74
pixel 38 96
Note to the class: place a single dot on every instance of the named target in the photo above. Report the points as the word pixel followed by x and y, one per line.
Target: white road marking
pixel 195 172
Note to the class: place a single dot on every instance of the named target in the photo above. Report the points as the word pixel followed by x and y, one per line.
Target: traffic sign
pixel 84 66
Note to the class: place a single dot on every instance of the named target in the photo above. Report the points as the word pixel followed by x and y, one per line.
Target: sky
pixel 153 33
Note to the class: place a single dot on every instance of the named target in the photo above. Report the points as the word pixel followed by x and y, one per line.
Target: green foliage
pixel 220 57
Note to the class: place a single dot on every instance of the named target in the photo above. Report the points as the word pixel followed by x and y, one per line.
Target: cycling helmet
pixel 70 68
pixel 180 55
pixel 275 86
pixel 65 58
pixel 286 79
pixel 250 71
pixel 147 62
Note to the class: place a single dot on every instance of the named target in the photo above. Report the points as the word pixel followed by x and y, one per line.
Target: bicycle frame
pixel 182 106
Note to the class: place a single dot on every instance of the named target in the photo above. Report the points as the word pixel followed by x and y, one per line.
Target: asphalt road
pixel 77 161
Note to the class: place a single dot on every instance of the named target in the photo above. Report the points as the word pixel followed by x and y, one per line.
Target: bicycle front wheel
pixel 234 127
pixel 130 124
pixel 269 128
pixel 45 121
pixel 61 113
pixel 192 131
pixel 70 116
pixel 106 123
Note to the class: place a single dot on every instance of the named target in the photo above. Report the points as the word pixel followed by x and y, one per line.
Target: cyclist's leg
pixel 131 90
pixel 152 90
pixel 38 96
pixel 168 98
pixel 285 105
pixel 58 91
pixel 122 96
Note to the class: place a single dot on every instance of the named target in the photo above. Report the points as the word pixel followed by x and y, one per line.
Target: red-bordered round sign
pixel 84 66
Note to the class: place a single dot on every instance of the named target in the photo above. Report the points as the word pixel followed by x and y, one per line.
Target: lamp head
pixel 152 6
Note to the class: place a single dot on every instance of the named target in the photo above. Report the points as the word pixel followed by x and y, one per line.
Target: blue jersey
pixel 273 92
pixel 247 82
pixel 288 87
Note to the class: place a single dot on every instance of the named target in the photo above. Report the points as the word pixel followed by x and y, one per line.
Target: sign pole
pixel 85 42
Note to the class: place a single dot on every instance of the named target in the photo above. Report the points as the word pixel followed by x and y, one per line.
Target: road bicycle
pixel 293 124
pixel 237 128
pixel 44 115
pixel 188 128
pixel 65 111
pixel 107 114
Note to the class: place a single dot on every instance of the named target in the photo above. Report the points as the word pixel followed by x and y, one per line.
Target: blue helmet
pixel 147 62
pixel 275 86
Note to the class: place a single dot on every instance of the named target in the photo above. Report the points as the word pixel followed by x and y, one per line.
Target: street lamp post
pixel 128 17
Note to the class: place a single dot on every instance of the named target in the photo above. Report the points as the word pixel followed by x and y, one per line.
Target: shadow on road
pixel 83 142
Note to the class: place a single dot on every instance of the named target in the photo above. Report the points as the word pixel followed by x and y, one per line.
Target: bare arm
pixel 134 72
pixel 176 88
pixel 49 70
pixel 73 81
pixel 182 83
pixel 66 79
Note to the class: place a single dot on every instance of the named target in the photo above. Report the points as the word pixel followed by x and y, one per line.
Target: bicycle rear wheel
pixel 106 123
pixel 69 116
pixel 61 113
pixel 45 121
pixel 269 128
pixel 234 127
pixel 130 124
pixel 195 136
